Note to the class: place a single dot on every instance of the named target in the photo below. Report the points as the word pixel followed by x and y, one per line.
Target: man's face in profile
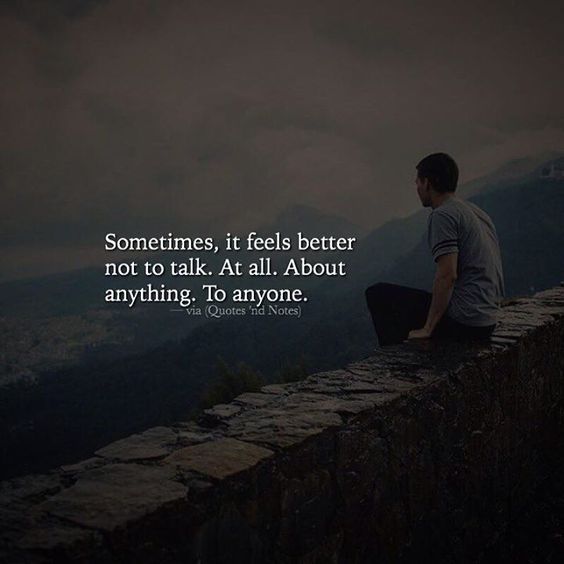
pixel 423 191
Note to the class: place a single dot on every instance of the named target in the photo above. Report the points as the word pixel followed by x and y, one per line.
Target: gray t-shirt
pixel 460 226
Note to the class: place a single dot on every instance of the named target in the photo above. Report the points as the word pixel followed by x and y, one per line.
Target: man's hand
pixel 419 334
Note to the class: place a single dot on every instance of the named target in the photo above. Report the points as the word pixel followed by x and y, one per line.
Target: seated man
pixel 468 283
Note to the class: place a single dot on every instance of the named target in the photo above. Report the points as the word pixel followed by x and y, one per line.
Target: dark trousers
pixel 396 310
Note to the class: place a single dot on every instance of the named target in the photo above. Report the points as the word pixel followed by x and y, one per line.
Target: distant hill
pixel 514 171
pixel 59 418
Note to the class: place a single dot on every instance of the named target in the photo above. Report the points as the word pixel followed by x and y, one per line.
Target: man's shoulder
pixel 468 205
pixel 477 212
pixel 450 210
pixel 458 209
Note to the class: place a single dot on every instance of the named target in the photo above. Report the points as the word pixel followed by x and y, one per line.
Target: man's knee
pixel 377 291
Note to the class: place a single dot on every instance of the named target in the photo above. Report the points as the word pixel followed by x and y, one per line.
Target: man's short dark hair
pixel 441 171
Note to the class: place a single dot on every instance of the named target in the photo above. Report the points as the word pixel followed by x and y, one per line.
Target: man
pixel 468 283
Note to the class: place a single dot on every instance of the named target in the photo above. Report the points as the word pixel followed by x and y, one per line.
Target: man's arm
pixel 445 277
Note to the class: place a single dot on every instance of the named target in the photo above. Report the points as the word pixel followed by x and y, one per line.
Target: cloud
pixel 194 116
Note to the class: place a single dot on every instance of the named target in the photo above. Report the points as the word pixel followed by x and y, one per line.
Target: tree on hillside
pixel 230 383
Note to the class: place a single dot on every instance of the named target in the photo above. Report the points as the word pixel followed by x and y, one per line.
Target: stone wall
pixel 422 452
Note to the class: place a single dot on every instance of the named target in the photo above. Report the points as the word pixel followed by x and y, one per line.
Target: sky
pixel 147 117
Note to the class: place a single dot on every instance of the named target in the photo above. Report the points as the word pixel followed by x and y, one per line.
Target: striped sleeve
pixel 442 233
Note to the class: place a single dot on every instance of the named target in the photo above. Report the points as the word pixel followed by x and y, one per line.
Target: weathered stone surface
pixel 375 399
pixel 187 438
pixel 307 508
pixel 88 464
pixel 218 413
pixel 278 389
pixel 420 452
pixel 360 387
pixel 280 427
pixel 254 399
pixel 325 403
pixel 29 488
pixel 58 537
pixel 115 495
pixel 502 331
pixel 153 443
pixel 502 340
pixel 220 458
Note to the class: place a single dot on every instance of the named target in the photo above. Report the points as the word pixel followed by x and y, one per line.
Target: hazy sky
pixel 154 116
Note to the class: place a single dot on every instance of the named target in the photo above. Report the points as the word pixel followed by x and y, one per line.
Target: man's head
pixel 438 174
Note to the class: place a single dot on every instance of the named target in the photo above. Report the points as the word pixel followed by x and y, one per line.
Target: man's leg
pixel 448 328
pixel 396 310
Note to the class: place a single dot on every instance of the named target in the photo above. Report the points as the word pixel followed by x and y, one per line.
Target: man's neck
pixel 439 198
